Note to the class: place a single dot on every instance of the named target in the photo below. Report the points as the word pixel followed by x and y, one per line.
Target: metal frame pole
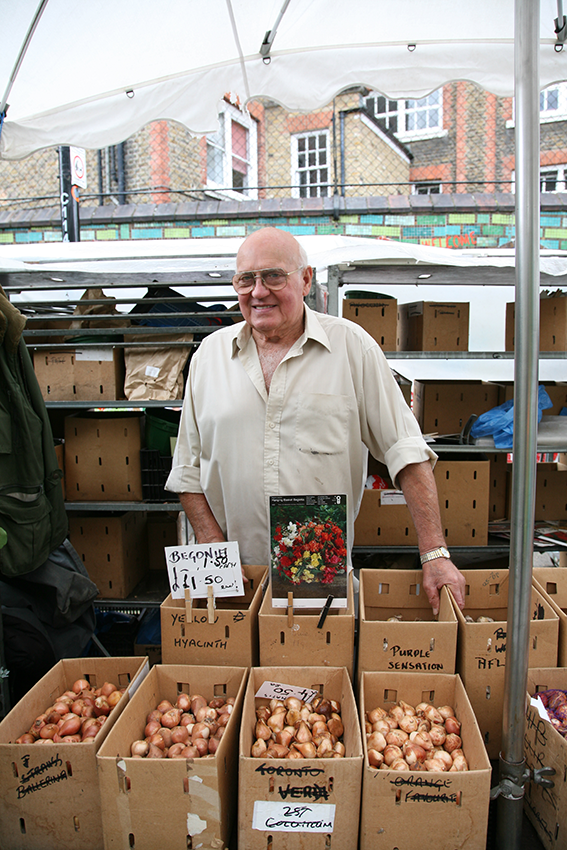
pixel 526 61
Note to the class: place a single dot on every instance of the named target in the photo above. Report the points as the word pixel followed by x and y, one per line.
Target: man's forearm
pixel 420 491
pixel 199 514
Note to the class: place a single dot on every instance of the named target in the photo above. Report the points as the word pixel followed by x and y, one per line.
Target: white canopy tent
pixel 96 73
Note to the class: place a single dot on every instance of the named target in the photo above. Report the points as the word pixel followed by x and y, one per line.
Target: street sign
pixel 78 167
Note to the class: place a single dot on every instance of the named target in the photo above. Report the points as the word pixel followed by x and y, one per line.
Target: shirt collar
pixel 313 330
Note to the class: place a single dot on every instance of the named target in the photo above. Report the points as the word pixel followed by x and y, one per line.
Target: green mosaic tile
pixel 176 232
pixel 462 218
pixel 563 246
pixel 555 233
pixel 430 219
pixel 124 231
pixel 86 235
pixel 6 237
pixel 217 222
pixel 232 230
pixel 56 236
pixel 499 218
pixel 107 234
pixel 295 220
pixel 359 229
pixel 483 218
pixel 384 230
pixel 486 242
pixel 492 230
pixel 405 220
pixel 326 229
pixel 348 219
pixel 372 219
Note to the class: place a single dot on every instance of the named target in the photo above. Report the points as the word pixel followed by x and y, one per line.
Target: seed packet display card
pixel 308 550
pixel 203 569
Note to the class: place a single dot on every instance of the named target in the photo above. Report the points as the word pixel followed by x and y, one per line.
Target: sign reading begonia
pixel 308 550
pixel 198 566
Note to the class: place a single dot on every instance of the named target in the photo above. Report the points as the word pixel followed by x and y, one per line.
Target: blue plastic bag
pixel 499 421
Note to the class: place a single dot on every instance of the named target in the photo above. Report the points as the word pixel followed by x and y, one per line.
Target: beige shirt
pixel 331 399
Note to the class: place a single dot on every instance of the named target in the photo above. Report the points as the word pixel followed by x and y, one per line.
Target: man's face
pixel 275 315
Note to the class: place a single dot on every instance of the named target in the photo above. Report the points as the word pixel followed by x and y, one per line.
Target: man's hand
pixel 439 572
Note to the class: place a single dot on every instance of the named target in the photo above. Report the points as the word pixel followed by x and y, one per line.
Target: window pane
pixel 239 140
pixel 215 158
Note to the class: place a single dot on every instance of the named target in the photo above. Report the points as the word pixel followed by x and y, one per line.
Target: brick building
pixel 459 139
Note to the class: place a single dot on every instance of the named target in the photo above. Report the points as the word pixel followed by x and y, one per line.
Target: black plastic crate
pixel 155 470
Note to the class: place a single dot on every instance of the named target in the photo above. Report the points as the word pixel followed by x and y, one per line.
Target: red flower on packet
pixel 314 551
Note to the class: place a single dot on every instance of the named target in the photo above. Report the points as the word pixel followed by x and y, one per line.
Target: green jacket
pixel 32 510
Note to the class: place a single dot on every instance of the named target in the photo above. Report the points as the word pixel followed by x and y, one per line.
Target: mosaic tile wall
pixel 452 221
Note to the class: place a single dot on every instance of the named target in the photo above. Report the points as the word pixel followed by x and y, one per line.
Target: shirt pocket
pixel 321 423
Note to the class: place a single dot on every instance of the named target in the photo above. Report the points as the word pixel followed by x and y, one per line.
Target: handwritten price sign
pixel 198 566
pixel 276 690
pixel 280 817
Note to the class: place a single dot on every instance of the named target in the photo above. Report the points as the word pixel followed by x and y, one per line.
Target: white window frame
pixel 229 114
pixel 548 116
pixel 408 106
pixel 429 183
pixel 560 168
pixel 295 192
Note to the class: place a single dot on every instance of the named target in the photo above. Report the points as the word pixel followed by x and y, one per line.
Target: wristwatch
pixel 441 552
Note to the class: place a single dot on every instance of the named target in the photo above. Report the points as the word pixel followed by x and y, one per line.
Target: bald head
pixel 269 241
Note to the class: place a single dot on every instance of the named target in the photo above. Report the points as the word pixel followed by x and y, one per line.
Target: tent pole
pixel 512 767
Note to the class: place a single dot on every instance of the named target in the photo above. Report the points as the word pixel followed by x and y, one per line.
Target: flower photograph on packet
pixel 308 550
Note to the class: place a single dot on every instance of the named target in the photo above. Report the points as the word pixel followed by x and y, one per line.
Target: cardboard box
pixel 551 492
pixel 444 407
pixel 481 647
pixel 400 808
pixel 50 797
pixel 285 639
pixel 318 787
pixel 556 390
pixel 102 457
pixel 499 486
pixel 433 326
pixel 171 803
pixel 378 316
pixel 552 323
pixel 113 549
pixel 162 531
pixel 60 452
pixel 552 581
pixel 83 374
pixel 418 642
pixel 463 487
pixel 232 639
pixel 546 808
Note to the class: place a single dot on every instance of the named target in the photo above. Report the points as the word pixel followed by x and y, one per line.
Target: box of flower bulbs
pixel 48 743
pixel 424 763
pixel 300 760
pixel 545 745
pixel 168 776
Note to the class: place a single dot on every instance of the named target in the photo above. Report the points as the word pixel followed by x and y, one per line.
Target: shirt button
pixel 272 424
pixel 270 463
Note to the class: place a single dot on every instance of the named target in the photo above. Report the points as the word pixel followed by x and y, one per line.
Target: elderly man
pixel 289 402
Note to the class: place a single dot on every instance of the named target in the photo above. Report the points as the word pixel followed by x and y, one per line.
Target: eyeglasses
pixel 273 279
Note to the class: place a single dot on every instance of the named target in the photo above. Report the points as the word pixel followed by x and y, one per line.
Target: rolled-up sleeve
pixel 185 475
pixel 390 429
